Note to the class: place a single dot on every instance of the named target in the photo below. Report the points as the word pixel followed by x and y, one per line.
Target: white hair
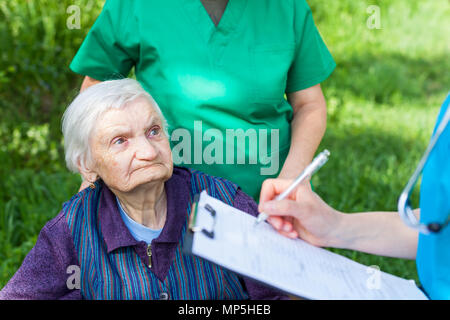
pixel 81 115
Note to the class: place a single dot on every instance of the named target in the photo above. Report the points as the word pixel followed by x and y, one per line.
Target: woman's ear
pixel 87 173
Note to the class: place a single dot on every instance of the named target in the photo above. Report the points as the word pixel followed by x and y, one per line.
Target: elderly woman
pixel 122 237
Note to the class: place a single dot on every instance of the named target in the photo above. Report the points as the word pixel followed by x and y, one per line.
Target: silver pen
pixel 315 165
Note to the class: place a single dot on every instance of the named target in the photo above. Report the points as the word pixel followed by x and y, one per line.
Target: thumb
pixel 280 208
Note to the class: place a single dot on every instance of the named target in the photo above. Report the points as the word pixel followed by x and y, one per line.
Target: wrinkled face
pixel 129 147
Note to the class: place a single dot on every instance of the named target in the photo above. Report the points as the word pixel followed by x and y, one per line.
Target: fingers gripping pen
pixel 314 166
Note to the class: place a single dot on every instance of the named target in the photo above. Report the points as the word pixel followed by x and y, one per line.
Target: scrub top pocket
pixel 270 64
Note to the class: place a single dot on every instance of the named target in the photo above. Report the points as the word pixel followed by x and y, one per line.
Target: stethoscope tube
pixel 404 204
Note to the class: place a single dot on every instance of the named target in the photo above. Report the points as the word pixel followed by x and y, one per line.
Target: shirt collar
pixel 115 232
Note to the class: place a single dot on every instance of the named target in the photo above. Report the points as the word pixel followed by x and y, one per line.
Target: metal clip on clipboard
pixel 193 218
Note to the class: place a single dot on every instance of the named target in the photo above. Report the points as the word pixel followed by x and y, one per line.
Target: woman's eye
pixel 119 141
pixel 154 131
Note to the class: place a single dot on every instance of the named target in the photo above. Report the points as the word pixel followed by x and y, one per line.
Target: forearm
pixel 307 129
pixel 380 233
pixel 87 82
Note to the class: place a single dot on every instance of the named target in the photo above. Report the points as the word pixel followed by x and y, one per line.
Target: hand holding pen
pixel 315 165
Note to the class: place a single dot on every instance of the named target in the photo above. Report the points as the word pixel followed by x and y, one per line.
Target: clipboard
pixel 230 239
pixel 192 228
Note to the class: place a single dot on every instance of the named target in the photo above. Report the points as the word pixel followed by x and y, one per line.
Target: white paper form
pixel 291 265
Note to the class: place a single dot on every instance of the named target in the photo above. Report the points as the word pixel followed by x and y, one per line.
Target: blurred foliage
pixel 37 47
pixel 406 60
pixel 35 87
pixel 382 102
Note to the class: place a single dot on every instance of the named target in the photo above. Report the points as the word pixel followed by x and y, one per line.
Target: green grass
pixel 382 99
pixel 374 150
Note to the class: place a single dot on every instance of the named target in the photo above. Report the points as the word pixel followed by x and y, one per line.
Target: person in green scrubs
pixel 237 80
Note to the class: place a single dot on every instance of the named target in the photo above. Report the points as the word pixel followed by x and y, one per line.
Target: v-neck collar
pixel 215 9
pixel 199 16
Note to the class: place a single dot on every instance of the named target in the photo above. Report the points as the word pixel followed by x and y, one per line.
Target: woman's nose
pixel 145 149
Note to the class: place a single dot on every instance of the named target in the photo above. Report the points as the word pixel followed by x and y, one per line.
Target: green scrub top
pixel 221 88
